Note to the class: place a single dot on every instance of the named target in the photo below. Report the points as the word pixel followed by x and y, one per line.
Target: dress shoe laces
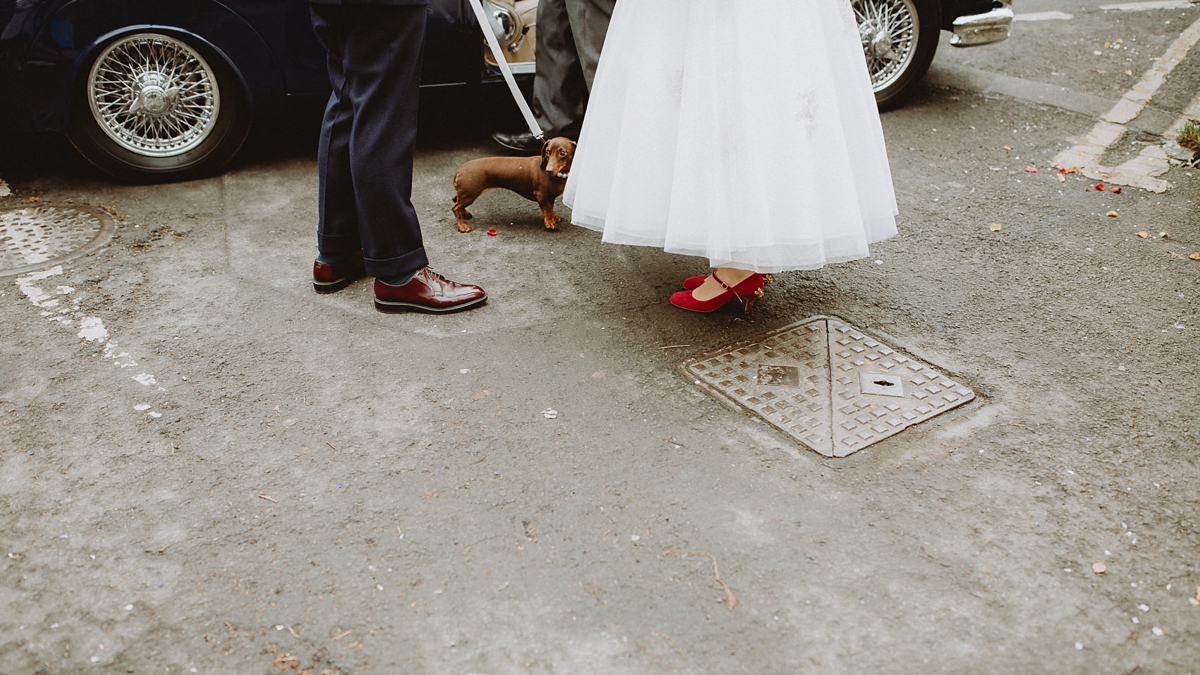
pixel 430 276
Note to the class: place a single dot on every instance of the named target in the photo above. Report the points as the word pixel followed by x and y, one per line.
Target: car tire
pixel 154 107
pixel 899 39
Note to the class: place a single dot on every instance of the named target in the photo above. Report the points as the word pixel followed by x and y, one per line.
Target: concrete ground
pixel 306 485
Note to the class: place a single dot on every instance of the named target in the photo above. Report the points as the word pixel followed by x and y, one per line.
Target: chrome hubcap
pixel 888 29
pixel 153 95
pixel 881 45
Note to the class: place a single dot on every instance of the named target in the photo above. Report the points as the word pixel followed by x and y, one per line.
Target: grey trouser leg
pixel 570 35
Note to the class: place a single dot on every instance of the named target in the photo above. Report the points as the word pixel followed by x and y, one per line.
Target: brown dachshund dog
pixel 540 179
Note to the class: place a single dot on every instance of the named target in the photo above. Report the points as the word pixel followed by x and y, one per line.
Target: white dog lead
pixel 486 26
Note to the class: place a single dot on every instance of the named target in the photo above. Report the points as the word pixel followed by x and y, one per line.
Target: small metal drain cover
pixel 36 237
pixel 827 384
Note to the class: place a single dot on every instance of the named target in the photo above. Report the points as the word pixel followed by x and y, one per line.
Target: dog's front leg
pixel 461 215
pixel 549 217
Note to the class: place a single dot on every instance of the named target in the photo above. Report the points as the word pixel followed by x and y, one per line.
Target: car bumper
pixel 983 29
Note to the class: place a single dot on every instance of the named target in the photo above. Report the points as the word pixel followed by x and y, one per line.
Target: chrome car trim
pixel 983 29
pixel 523 68
pixel 153 95
pixel 504 23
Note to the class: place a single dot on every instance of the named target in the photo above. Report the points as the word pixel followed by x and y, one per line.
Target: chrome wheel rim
pixel 153 95
pixel 888 29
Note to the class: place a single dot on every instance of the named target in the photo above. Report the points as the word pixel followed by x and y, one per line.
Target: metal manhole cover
pixel 36 237
pixel 827 384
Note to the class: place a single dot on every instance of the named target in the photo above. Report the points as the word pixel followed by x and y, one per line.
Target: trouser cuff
pixel 338 244
pixel 397 267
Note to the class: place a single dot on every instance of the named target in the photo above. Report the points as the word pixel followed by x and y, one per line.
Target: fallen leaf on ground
pixel 995 227
pixel 1099 568
pixel 1008 147
pixel 1062 178
pixel 1112 214
pixel 1164 235
pixel 1143 234
pixel 1195 256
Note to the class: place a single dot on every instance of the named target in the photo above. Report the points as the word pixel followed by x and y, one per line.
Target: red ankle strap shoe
pixel 746 293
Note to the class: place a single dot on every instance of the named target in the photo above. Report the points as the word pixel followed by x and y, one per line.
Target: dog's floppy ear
pixel 545 154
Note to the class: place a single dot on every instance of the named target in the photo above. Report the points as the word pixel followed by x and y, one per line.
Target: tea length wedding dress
pixel 742 131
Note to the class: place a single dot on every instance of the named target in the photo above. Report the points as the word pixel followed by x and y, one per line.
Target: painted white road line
pixel 1172 147
pixel 1192 112
pixel 1144 170
pixel 91 328
pixel 1044 16
pixel 1145 6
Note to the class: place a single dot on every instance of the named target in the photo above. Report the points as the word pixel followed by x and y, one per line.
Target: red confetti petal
pixel 492 232
pixel 1031 169
pixel 1117 190
pixel 1100 187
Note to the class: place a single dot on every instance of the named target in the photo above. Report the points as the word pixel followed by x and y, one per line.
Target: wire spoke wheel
pixel 153 95
pixel 889 31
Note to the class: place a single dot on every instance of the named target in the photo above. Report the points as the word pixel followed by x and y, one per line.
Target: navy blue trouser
pixel 365 157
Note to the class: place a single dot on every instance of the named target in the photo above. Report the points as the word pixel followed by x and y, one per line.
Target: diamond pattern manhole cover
pixel 36 237
pixel 827 384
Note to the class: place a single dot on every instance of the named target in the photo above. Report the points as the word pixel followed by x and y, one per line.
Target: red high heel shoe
pixel 692 283
pixel 745 293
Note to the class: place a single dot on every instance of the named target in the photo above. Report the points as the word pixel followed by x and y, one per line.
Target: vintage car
pixel 900 37
pixel 157 90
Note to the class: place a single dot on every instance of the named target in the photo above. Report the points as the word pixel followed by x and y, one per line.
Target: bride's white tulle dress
pixel 742 131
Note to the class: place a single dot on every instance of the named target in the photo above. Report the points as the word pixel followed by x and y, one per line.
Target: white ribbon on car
pixel 490 35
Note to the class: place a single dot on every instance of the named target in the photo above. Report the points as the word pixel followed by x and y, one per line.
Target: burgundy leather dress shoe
pixel 429 292
pixel 329 278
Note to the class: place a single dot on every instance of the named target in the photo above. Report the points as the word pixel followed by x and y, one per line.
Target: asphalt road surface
pixel 206 467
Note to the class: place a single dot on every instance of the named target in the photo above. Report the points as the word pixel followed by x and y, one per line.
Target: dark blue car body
pixel 45 44
pixel 80 66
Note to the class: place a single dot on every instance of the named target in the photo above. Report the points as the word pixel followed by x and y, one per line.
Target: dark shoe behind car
pixel 522 141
